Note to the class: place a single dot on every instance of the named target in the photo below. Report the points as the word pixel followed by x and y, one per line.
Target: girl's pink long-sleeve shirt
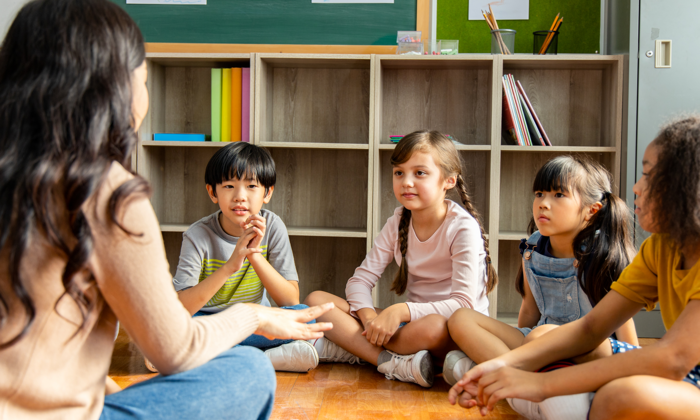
pixel 445 272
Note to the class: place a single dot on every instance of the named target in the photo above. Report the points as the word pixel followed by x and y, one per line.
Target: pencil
pixel 495 23
pixel 550 36
pixel 551 28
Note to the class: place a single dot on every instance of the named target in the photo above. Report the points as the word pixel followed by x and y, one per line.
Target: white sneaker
pixel 329 352
pixel 297 356
pixel 456 365
pixel 528 409
pixel 569 407
pixel 416 368
pixel 150 366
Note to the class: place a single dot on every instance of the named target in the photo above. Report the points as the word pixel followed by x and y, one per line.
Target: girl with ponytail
pixel 582 245
pixel 444 264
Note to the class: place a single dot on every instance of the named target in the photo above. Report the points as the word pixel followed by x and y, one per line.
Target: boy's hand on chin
pixel 255 224
pixel 242 251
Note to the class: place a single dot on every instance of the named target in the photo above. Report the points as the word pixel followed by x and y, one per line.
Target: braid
pixel 401 279
pixel 462 189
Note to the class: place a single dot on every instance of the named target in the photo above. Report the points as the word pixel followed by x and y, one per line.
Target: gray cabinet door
pixel 664 93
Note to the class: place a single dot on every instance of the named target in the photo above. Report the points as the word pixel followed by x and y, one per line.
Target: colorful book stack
pixel 521 125
pixel 230 104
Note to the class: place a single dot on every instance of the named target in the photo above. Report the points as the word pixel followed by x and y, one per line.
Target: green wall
pixel 579 33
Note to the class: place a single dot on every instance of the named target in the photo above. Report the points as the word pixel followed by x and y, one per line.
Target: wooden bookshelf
pixel 326 119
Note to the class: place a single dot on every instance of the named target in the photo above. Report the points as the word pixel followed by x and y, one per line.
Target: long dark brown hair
pixel 65 116
pixel 447 157
pixel 604 247
pixel 674 182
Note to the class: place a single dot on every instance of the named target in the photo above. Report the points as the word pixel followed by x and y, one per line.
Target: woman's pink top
pixel 445 272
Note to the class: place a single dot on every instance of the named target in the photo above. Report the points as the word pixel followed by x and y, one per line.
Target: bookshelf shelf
pixel 151 143
pixel 336 146
pixel 460 147
pixel 558 149
pixel 326 119
pixel 512 235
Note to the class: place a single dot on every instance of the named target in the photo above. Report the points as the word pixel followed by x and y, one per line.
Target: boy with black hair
pixel 238 253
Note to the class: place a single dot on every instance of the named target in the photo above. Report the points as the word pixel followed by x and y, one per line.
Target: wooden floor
pixel 332 391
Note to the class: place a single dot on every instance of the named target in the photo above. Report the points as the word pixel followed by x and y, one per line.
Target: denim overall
pixel 554 285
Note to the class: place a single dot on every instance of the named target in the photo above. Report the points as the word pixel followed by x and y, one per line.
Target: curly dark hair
pixel 675 180
pixel 65 115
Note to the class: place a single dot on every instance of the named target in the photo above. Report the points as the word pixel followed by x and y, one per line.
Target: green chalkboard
pixel 580 32
pixel 274 22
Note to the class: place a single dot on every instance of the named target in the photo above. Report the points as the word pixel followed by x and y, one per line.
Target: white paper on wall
pixel 169 2
pixel 502 9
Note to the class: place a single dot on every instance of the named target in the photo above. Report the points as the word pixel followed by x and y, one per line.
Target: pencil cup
pixel 503 41
pixel 545 42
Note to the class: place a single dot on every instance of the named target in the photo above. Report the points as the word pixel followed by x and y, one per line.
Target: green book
pixel 215 104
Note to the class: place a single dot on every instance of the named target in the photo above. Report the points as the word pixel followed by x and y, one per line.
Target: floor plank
pixel 334 391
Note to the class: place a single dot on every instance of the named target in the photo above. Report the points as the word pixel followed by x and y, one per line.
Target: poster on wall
pixel 502 9
pixel 169 2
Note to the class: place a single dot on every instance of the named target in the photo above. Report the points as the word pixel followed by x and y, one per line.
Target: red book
pixel 508 123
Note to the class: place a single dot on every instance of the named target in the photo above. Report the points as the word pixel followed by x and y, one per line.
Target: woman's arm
pixel 628 333
pixel 529 312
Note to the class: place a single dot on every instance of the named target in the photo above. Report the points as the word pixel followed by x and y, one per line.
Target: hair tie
pixel 606 195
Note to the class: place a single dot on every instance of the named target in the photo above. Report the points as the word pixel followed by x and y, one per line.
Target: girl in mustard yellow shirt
pixel 660 380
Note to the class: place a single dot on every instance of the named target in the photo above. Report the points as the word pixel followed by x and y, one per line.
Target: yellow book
pixel 226 105
pixel 236 94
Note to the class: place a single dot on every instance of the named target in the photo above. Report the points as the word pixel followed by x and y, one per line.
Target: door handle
pixel 663 54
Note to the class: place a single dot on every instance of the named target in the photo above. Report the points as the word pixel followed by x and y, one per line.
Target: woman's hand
pixel 380 329
pixel 289 324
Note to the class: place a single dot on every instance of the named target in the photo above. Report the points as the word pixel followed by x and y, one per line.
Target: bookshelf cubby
pixel 326 119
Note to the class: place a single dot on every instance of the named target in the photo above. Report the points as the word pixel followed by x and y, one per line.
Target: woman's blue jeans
pixel 239 383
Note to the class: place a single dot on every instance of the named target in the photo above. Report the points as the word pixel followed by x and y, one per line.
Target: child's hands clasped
pixel 487 383
pixel 249 243
pixel 381 328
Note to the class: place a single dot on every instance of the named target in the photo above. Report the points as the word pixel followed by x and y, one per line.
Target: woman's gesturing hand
pixel 289 324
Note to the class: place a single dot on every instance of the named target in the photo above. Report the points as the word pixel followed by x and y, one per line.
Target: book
pixel 508 91
pixel 518 110
pixel 245 104
pixel 215 104
pixel 178 137
pixel 508 130
pixel 236 98
pixel 226 105
pixel 534 115
pixel 531 126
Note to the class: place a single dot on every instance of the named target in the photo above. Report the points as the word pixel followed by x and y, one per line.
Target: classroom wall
pixel 10 9
pixel 580 31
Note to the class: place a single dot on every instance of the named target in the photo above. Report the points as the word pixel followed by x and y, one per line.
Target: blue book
pixel 178 137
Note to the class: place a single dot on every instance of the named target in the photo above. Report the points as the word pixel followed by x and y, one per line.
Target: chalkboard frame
pixel 422 24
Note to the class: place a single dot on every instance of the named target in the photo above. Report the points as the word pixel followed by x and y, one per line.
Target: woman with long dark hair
pixel 80 246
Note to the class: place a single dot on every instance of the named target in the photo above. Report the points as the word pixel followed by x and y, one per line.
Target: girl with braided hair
pixel 444 265
pixel 568 265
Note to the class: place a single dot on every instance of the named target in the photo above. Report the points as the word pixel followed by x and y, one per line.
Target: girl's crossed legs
pixel 427 333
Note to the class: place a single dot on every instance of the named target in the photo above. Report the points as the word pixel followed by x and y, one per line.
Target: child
pixel 582 246
pixel 659 380
pixel 80 246
pixel 444 265
pixel 213 273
